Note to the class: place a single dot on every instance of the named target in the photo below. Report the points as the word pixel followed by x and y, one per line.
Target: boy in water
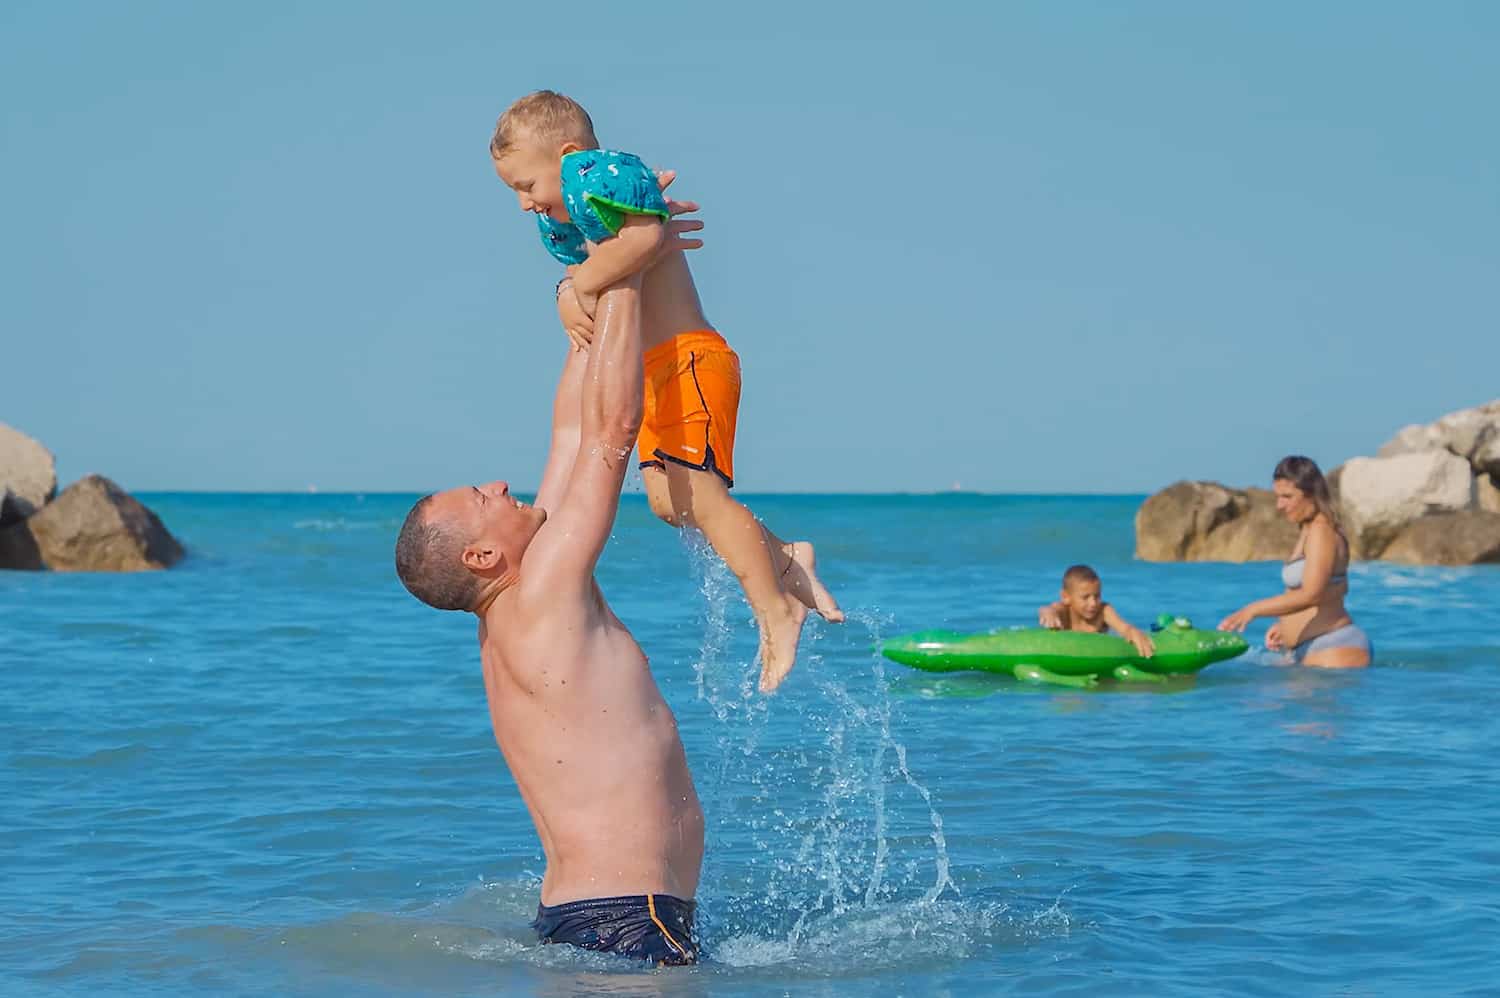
pixel 1081 607
pixel 601 212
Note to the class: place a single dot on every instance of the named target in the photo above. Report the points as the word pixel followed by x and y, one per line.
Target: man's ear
pixel 568 147
pixel 483 559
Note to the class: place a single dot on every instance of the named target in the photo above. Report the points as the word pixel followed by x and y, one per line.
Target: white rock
pixel 1381 495
pixel 1467 433
pixel 28 475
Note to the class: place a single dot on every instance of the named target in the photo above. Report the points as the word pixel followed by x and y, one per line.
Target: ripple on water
pixel 271 772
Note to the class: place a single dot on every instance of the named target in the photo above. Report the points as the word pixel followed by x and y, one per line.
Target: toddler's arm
pixel 640 239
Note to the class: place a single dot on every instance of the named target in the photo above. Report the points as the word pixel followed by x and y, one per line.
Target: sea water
pixel 271 772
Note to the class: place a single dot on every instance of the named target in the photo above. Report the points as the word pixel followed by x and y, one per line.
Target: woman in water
pixel 1311 619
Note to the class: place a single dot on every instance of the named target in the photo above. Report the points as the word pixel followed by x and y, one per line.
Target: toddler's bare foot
pixel 780 633
pixel 801 580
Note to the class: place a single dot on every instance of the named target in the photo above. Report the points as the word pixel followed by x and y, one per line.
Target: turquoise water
pixel 271 772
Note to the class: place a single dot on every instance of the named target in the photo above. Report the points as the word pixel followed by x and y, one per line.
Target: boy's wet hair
pixel 1079 574
pixel 545 115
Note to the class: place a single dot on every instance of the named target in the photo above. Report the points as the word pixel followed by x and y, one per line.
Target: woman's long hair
pixel 1304 473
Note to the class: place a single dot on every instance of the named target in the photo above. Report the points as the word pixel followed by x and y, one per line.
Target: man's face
pixel 1086 599
pixel 498 528
pixel 534 172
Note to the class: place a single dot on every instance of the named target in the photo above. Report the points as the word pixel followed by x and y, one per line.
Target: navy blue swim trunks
pixel 656 928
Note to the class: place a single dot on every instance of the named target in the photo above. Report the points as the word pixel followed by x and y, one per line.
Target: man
pixel 592 745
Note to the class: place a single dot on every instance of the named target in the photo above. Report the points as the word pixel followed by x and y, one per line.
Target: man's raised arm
pixel 563 557
pixel 567 416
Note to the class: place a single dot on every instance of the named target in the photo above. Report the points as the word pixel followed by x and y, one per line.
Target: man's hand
pixel 1049 618
pixel 676 227
pixel 588 304
pixel 664 180
pixel 578 324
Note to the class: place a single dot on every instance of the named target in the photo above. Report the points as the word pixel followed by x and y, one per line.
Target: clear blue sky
pixel 1039 247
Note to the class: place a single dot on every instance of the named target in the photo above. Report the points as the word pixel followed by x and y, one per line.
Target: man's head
pixel 455 546
pixel 1083 593
pixel 532 136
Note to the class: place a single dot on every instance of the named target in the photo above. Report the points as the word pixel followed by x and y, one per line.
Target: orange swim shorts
pixel 692 399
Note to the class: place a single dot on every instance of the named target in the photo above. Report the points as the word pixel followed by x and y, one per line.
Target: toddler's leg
pixel 798 569
pixel 659 496
pixel 700 499
pixel 795 562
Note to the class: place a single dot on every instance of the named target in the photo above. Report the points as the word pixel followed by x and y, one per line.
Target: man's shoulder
pixel 549 538
pixel 545 568
pixel 516 638
pixel 530 611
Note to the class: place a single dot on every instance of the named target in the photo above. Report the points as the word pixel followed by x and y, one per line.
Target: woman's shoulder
pixel 1325 532
pixel 1323 528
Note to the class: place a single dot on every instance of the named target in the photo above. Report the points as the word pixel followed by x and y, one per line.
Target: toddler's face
pixel 533 171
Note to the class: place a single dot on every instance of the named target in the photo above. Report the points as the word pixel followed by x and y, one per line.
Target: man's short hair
pixel 1079 574
pixel 429 560
pixel 547 116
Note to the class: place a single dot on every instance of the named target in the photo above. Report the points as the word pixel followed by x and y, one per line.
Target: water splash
pixel 720 681
pixel 866 845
